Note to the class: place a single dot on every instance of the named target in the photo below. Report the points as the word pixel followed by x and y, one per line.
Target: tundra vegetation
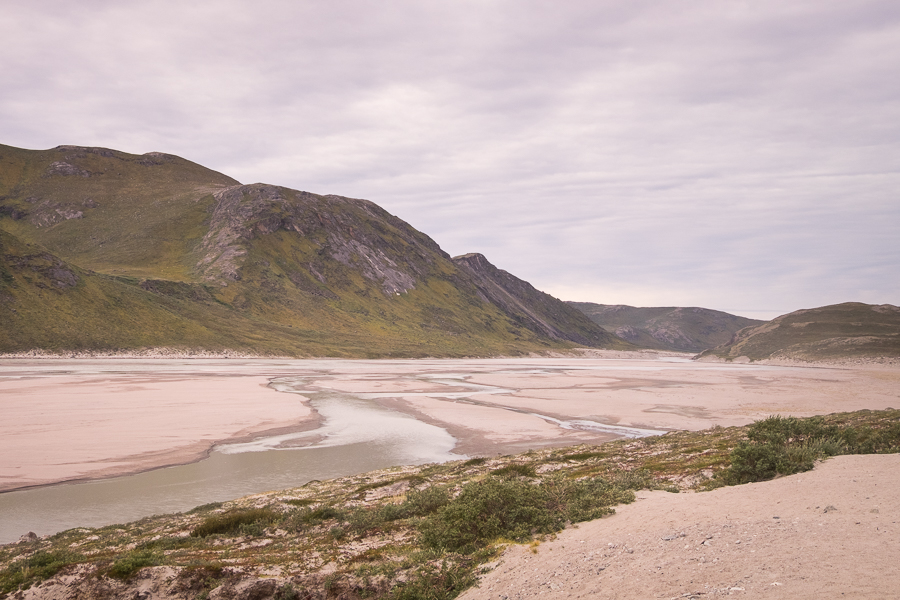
pixel 427 531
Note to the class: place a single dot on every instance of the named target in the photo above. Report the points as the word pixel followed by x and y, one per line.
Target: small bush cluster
pixel 131 563
pixel 787 445
pixel 37 567
pixel 251 521
pixel 501 507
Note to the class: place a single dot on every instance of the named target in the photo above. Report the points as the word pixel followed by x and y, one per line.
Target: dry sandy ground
pixel 90 418
pixel 831 533
pixel 88 426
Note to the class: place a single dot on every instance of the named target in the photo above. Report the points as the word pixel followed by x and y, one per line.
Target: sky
pixel 740 156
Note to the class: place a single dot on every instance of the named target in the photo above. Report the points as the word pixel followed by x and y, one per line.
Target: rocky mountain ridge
pixel 181 256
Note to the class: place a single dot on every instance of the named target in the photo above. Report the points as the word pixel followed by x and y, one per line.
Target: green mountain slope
pixel 848 330
pixel 666 328
pixel 165 252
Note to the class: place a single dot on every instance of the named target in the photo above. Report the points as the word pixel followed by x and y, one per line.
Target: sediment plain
pixel 79 419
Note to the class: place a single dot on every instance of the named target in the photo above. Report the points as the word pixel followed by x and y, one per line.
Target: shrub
pixel 787 445
pixel 436 583
pixel 424 502
pixel 515 470
pixel 37 567
pixel 318 515
pixel 249 521
pixel 133 562
pixel 486 510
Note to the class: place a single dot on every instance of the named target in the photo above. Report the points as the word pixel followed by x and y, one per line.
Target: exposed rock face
pixel 666 328
pixel 65 169
pixel 827 333
pixel 531 308
pixel 346 230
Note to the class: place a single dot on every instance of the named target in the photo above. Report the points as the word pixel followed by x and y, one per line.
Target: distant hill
pixel 839 331
pixel 666 328
pixel 104 250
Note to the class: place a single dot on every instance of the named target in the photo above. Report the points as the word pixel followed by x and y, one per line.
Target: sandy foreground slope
pixel 833 532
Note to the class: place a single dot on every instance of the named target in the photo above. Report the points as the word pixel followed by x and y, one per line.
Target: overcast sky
pixel 742 156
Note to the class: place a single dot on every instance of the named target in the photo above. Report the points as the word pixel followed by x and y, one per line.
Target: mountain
pixel 666 328
pixel 839 331
pixel 532 309
pixel 104 250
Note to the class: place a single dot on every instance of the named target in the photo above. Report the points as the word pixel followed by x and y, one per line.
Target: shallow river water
pixel 357 436
pixel 358 433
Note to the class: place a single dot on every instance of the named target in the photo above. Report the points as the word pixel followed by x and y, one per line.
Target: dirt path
pixel 831 533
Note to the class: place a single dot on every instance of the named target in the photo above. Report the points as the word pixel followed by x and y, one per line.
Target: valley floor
pixel 80 419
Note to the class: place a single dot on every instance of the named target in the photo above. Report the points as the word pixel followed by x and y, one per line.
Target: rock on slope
pixel 165 252
pixel 666 328
pixel 533 309
pixel 827 333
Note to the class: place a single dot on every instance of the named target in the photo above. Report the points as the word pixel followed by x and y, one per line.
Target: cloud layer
pixel 734 155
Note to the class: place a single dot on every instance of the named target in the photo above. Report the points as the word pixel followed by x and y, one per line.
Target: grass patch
pixel 584 456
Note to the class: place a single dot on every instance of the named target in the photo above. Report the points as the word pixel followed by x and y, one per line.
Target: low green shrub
pixel 129 564
pixel 486 510
pixel 584 456
pixel 431 582
pixel 37 567
pixel 250 521
pixel 786 445
pixel 420 503
pixel 515 470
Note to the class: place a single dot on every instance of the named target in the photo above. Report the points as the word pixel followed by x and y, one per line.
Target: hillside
pixel 828 333
pixel 162 252
pixel 539 312
pixel 666 328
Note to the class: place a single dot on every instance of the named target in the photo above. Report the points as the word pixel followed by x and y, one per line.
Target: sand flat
pixel 70 427
pixel 68 419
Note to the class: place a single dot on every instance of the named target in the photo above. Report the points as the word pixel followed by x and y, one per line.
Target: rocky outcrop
pixel 531 308
pixel 345 230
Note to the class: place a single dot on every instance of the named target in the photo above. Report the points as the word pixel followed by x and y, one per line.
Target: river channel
pixel 374 415
pixel 357 436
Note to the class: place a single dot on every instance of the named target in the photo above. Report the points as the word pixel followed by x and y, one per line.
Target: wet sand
pixel 76 419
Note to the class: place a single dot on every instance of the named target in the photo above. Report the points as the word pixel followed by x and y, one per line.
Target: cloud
pixel 740 156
